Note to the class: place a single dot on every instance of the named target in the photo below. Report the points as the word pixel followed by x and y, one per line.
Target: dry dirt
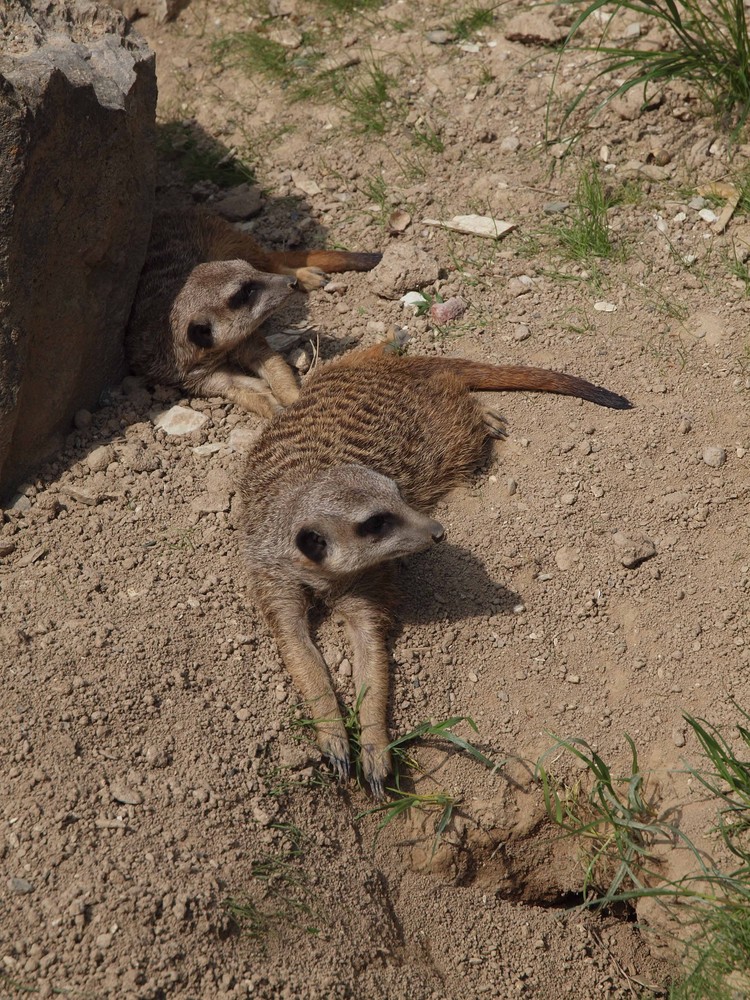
pixel 150 768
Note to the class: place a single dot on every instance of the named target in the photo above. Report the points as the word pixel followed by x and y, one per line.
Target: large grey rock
pixel 77 113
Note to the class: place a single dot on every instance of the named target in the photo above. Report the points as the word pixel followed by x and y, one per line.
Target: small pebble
pixel 678 737
pixel 20 885
pixel 345 668
pixel 714 456
pixel 568 499
pixel 82 420
pixel 98 459
pixel 573 679
pixel 555 207
pixel 128 796
pixel 439 36
pixel 521 332
pixel 472 677
pixel 685 425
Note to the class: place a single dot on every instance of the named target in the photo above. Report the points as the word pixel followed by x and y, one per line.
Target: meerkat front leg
pixel 250 393
pixel 258 356
pixel 367 617
pixel 287 615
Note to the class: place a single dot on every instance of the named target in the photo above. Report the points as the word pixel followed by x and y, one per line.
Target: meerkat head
pixel 351 519
pixel 221 304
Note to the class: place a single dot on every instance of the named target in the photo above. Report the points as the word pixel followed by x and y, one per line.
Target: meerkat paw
pixel 497 426
pixel 376 766
pixel 311 278
pixel 396 339
pixel 336 751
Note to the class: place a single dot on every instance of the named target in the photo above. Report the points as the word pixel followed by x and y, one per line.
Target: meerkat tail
pixel 480 377
pixel 326 260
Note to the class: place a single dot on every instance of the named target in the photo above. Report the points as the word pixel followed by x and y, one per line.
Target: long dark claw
pixel 377 788
pixel 340 766
pixel 497 425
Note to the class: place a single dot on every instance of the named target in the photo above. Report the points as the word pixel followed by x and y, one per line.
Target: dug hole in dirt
pixel 167 828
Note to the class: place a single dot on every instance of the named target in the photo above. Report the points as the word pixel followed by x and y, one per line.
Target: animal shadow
pixel 449 583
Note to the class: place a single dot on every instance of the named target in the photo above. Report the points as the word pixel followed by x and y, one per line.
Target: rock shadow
pixel 194 170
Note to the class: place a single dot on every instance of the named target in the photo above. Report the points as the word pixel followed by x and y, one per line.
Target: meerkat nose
pixel 437 531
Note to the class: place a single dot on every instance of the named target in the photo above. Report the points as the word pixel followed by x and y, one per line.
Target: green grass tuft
pixel 709 48
pixel 617 825
pixel 253 53
pixel 402 800
pixel 472 21
pixel 584 235
pixel 348 6
pixel 368 100
pixel 615 821
pixel 198 159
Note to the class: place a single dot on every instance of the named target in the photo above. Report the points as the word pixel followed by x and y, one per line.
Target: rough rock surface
pixel 77 88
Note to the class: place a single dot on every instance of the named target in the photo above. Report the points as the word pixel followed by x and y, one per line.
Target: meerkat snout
pixel 352 518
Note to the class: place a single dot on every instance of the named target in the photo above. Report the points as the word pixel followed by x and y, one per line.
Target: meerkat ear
pixel 311 544
pixel 200 334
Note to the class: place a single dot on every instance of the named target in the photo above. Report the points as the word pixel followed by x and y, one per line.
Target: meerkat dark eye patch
pixel 311 544
pixel 377 525
pixel 243 296
pixel 200 334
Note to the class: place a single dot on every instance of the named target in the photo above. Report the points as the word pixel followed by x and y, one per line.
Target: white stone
pixel 180 420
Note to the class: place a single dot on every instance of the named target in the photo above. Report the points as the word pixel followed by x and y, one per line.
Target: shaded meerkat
pixel 204 290
pixel 340 485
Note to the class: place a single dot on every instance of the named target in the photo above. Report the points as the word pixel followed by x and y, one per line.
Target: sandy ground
pixel 167 829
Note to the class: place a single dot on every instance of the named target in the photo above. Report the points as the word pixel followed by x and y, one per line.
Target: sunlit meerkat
pixel 339 485
pixel 204 291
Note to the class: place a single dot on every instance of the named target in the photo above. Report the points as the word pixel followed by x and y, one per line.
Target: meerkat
pixel 340 485
pixel 205 289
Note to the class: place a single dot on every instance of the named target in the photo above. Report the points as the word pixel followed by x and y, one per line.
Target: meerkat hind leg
pixel 308 278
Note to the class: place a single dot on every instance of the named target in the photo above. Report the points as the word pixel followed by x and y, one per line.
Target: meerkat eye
pixel 243 296
pixel 311 544
pixel 200 334
pixel 377 525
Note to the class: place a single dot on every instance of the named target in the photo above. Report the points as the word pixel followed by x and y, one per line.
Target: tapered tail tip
pixel 611 399
pixel 366 261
